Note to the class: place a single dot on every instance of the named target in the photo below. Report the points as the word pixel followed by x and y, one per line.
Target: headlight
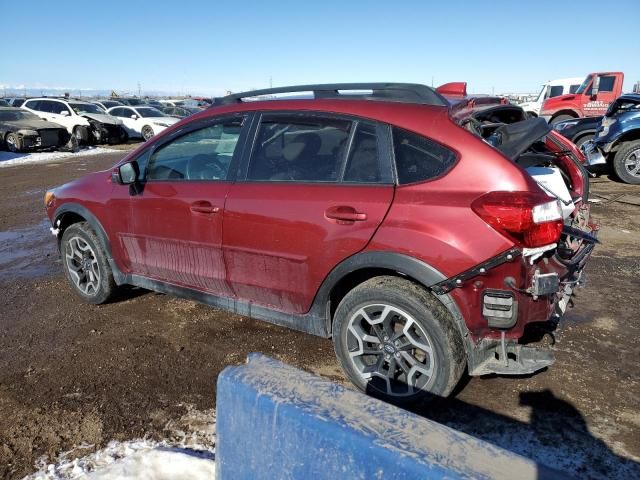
pixel 606 124
pixel 27 133
pixel 162 124
pixel 558 127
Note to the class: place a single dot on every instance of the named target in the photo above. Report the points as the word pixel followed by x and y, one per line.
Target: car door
pixel 606 94
pixel 130 124
pixel 169 225
pixel 314 189
pixel 59 113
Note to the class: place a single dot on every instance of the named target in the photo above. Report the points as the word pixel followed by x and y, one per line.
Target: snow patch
pixel 137 459
pixel 187 453
pixel 9 159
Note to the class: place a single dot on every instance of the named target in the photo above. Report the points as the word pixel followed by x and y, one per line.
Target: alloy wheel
pixel 82 265
pixel 390 350
pixel 11 144
pixel 632 163
pixel 147 133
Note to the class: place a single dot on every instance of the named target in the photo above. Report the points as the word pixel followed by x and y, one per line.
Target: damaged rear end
pixel 512 303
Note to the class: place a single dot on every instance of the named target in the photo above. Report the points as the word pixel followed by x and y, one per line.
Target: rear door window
pixel 33 104
pixel 366 161
pixel 299 149
pixel 418 158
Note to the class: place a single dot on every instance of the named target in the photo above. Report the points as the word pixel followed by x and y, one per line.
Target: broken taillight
pixel 530 219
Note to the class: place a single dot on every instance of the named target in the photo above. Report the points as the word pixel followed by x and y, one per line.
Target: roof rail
pixel 392 92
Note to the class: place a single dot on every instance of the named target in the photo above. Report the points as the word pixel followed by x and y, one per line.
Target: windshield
pixel 147 112
pixel 540 96
pixel 583 86
pixel 13 115
pixel 81 108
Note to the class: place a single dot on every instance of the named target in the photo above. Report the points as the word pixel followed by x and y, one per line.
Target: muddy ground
pixel 76 375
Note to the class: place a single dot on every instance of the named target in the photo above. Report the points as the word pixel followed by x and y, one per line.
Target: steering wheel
pixel 205 167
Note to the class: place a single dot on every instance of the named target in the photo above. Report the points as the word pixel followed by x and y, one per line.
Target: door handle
pixel 345 214
pixel 204 207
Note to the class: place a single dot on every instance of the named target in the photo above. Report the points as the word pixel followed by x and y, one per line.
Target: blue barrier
pixel 277 422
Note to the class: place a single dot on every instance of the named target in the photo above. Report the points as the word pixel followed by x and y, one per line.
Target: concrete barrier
pixel 277 422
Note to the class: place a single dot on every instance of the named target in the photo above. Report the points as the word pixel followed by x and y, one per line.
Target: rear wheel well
pixel 353 279
pixel 570 113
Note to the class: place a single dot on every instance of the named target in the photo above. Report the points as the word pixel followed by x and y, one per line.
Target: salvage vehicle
pixel 578 130
pixel 142 121
pixel 551 89
pixel 107 104
pixel 591 99
pixel 23 131
pixel 87 122
pixel 412 232
pixel 134 102
pixel 180 112
pixel 617 139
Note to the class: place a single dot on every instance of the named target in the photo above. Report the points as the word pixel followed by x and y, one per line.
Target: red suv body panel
pixel 275 245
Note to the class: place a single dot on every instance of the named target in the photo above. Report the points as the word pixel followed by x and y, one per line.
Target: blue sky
pixel 208 47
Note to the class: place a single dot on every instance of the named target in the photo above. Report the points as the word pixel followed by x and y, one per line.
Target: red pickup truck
pixel 591 99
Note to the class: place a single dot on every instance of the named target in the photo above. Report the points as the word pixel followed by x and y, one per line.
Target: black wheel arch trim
pixel 91 219
pixel 405 265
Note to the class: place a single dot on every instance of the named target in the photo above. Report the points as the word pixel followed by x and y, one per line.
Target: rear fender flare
pixel 405 265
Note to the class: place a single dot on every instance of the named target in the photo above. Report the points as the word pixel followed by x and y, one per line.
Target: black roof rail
pixel 391 92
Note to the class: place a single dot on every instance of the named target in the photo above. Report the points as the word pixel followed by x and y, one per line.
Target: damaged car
pixel 617 139
pixel 426 239
pixel 22 131
pixel 87 122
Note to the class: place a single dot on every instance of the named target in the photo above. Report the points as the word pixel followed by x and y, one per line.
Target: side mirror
pixel 64 113
pixel 595 87
pixel 126 174
pixel 134 116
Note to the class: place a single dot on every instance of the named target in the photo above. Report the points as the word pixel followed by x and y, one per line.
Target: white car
pixel 85 121
pixel 553 88
pixel 142 121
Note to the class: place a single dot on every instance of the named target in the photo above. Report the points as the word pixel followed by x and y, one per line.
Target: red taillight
pixel 529 219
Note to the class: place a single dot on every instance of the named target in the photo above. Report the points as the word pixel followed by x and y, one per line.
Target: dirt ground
pixel 74 375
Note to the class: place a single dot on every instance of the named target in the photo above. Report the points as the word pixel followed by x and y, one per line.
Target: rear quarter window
pixel 419 159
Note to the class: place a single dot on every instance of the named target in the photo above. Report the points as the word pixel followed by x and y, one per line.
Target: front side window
pixel 418 158
pixel 555 91
pixel 58 107
pixel 201 155
pixel 606 83
pixel 305 149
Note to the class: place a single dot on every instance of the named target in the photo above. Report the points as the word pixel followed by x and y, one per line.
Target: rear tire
pixel 397 342
pixel 85 264
pixel 561 118
pixel 626 162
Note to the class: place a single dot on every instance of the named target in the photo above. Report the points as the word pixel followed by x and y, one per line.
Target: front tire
pixel 560 118
pixel 147 132
pixel 584 139
pixel 85 264
pixel 626 162
pixel 12 143
pixel 397 342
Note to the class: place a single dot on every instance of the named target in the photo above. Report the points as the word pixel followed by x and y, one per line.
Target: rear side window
pixel 304 149
pixel 418 158
pixel 364 162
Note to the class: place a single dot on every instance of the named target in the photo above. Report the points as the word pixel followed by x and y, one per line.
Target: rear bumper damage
pixel 513 333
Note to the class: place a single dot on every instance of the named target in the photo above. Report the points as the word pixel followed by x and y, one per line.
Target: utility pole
pixel 139 90
pixel 270 82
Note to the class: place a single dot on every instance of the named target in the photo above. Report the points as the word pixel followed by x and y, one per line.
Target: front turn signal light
pixel 48 198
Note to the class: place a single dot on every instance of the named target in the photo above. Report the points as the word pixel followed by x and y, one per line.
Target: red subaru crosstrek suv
pixel 423 236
